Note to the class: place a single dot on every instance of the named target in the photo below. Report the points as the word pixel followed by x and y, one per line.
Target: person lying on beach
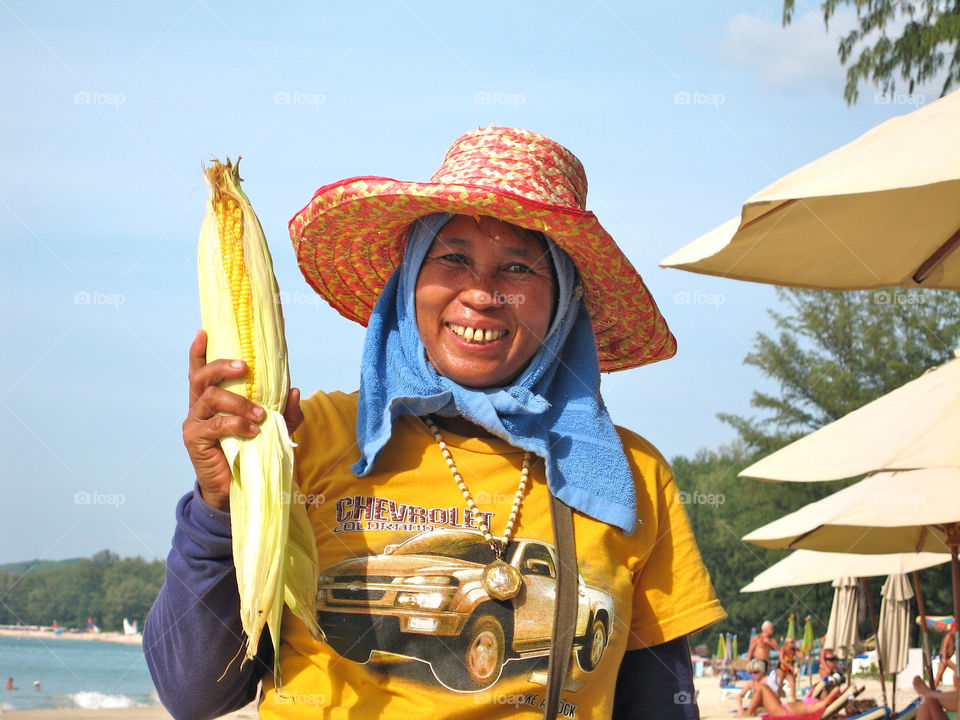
pixel 766 702
pixel 756 668
pixel 935 704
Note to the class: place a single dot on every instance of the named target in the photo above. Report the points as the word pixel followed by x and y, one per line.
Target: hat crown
pixel 515 161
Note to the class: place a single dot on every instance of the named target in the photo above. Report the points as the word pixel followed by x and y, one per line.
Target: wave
pixel 6 707
pixel 92 700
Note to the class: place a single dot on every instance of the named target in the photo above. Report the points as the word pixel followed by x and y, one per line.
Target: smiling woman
pixel 492 299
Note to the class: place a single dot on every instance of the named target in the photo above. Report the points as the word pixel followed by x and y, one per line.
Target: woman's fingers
pixel 293 414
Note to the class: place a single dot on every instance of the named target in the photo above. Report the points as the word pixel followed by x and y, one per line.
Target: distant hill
pixel 24 565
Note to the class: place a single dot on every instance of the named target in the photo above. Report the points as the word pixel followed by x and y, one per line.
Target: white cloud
pixel 787 58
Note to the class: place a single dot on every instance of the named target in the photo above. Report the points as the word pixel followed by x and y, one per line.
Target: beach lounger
pixel 910 711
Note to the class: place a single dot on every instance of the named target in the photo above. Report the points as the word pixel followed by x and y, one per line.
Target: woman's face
pixel 484 300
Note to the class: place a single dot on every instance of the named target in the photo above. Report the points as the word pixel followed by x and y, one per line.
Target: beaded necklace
pixel 500 579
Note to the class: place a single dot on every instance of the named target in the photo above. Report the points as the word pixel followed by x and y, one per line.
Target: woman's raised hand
pixel 215 413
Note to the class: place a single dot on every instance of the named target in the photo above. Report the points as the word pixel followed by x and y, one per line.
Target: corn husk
pixel 274 549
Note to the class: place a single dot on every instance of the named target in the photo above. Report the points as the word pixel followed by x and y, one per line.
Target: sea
pixel 73 674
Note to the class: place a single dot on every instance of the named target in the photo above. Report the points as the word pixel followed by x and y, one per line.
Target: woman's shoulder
pixel 640 449
pixel 327 410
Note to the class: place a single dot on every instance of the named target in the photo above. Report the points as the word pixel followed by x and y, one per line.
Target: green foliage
pixel 837 351
pixel 834 353
pixel 104 587
pixel 932 28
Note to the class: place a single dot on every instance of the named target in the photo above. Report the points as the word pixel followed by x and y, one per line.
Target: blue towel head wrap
pixel 553 409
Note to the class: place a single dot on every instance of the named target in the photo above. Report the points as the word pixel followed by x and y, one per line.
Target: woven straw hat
pixel 350 236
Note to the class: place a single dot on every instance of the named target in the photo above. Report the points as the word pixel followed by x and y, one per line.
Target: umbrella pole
pixel 873 623
pixel 924 639
pixel 953 539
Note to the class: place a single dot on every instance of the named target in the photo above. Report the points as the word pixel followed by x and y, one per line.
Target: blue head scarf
pixel 553 409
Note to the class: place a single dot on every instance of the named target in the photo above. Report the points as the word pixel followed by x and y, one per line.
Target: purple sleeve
pixel 656 682
pixel 192 638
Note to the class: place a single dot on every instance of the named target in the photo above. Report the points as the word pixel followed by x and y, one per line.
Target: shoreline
pixel 49 634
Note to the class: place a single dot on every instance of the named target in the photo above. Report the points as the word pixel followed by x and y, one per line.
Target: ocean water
pixel 73 674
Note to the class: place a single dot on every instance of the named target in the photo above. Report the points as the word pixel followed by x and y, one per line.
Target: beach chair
pixel 909 712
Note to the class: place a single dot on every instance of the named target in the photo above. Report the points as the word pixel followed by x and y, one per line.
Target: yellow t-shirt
pixel 410 631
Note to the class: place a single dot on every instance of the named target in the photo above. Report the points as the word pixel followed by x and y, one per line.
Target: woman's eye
pixel 456 258
pixel 519 268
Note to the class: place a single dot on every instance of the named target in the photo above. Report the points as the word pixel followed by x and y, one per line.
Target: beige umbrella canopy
pixel 888 512
pixel 842 634
pixel 882 210
pixel 806 567
pixel 915 426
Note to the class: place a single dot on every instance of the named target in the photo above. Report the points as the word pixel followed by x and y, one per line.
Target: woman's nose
pixel 482 292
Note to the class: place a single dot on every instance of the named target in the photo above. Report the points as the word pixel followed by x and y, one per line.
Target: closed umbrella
pixel 791 626
pixel 893 633
pixel 807 644
pixel 842 634
pixel 881 210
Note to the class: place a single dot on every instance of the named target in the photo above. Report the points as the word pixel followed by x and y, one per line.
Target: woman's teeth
pixel 477 335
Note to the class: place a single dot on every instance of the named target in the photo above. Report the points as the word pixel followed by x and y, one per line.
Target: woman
pixel 765 701
pixel 430 490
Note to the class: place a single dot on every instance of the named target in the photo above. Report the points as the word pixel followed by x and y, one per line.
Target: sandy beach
pixel 712 705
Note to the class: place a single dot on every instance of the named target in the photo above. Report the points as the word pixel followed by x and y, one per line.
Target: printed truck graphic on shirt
pixel 424 600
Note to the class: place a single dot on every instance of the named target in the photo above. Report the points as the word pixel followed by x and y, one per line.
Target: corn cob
pixel 274 549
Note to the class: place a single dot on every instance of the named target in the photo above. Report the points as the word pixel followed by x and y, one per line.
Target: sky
pixel 679 111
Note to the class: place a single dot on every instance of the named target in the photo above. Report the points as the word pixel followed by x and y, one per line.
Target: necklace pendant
pixel 501 580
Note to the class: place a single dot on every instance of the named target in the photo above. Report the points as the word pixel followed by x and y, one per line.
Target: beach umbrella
pixel 893 632
pixel 791 627
pixel 807 644
pixel 734 651
pixel 842 634
pixel 914 426
pixel 915 510
pixel 940 623
pixel 721 647
pixel 887 512
pixel 807 567
pixel 882 210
